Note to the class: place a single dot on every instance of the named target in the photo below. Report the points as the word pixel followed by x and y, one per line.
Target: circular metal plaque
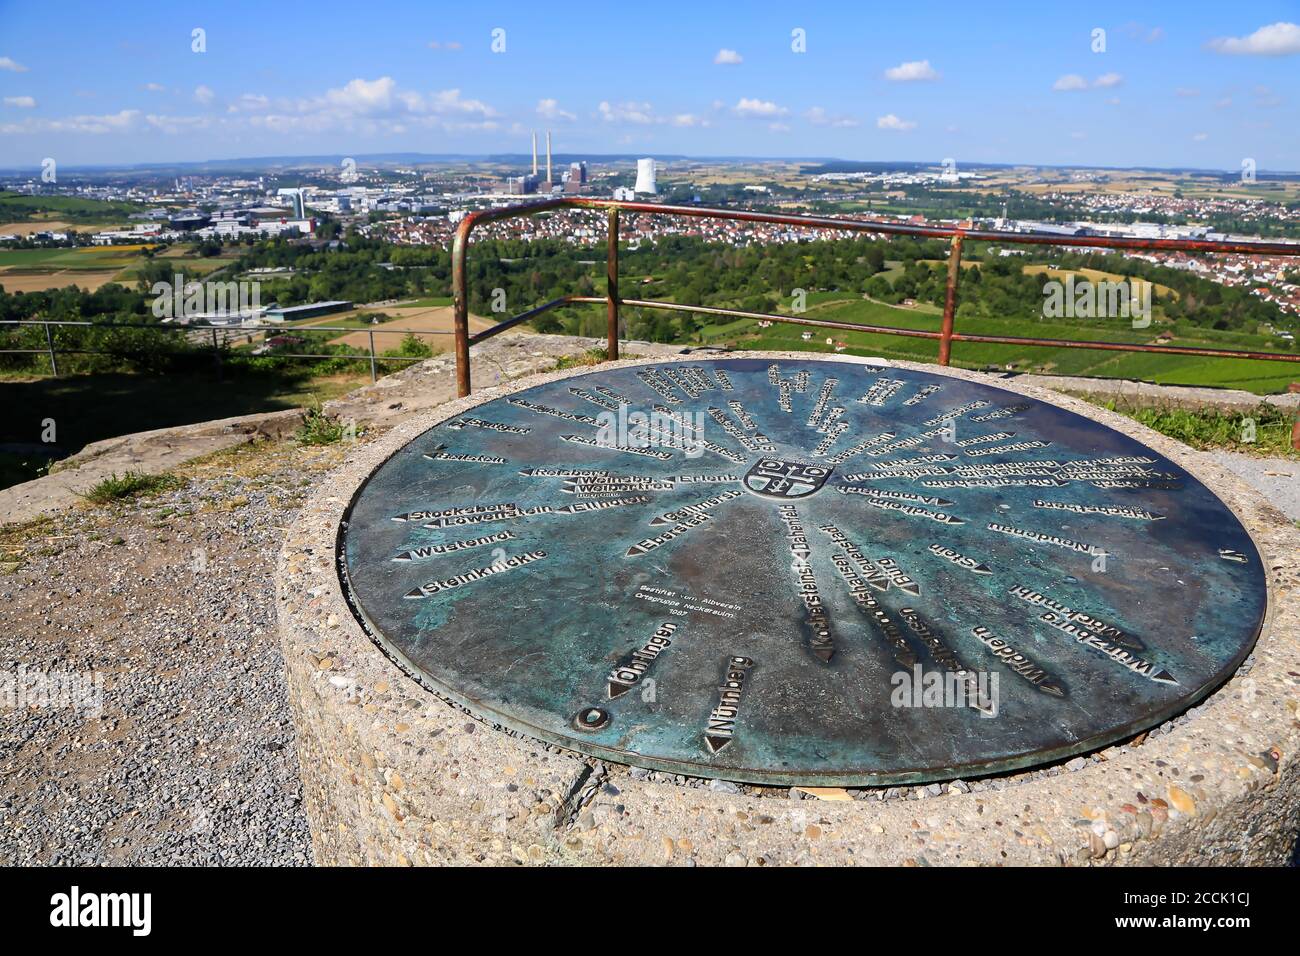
pixel 800 572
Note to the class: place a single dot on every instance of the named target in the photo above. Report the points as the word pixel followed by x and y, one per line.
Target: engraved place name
pixel 612 394
pixel 893 495
pixel 626 449
pixel 925 472
pixel 1117 511
pixel 880 391
pixel 682 381
pixel 894 464
pixel 959 559
pixel 440 455
pixel 912 511
pixel 589 487
pixel 820 640
pixel 745 418
pixel 783 390
pixel 912 442
pixel 773 374
pixel 997 483
pixel 831 438
pixel 823 399
pixel 984 439
pixel 957 412
pixel 922 394
pixel 478 574
pixel 1000 413
pixel 1112 650
pixel 702 507
pixel 506 513
pixel 564 473
pixel 756 442
pixel 892 633
pixel 579 507
pixel 873 575
pixel 1043 538
pixel 655 382
pixel 801 380
pixel 460 423
pixel 721 727
pixel 627 674
pixel 687 524
pixel 695 439
pixel 434 550
pixel 704 479
pixel 595 399
pixel 1018 663
pixel 1004 449
pixel 899 578
pixel 724 382
pixel 862 446
pixel 975 697
pixel 455 512
pixel 553 412
pixel 1095 624
pixel 829 419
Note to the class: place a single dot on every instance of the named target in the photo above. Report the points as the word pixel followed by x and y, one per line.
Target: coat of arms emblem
pixel 774 478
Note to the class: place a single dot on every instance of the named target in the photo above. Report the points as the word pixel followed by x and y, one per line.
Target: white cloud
pixel 123 121
pixel 153 87
pixel 819 117
pixel 550 109
pixel 755 108
pixel 21 102
pixel 363 106
pixel 1277 39
pixel 689 120
pixel 890 121
pixel 8 64
pixel 631 112
pixel 444 45
pixel 727 57
pixel 911 72
pixel 1071 81
pixel 1187 92
pixel 1107 80
pixel 1200 137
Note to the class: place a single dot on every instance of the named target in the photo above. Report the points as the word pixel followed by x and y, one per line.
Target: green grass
pixel 1259 377
pixel 133 484
pixel 590 357
pixel 319 428
pixel 1264 430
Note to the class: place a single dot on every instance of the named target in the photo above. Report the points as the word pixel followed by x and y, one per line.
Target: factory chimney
pixel 548 157
pixel 534 153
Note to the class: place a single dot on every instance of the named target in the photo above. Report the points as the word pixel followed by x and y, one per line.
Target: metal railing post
pixel 460 305
pixel 374 373
pixel 950 301
pixel 49 340
pixel 611 286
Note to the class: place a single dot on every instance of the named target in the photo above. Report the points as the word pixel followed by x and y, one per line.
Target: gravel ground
pixel 1278 479
pixel 191 759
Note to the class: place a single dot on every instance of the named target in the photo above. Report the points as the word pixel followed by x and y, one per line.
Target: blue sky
pixel 1178 84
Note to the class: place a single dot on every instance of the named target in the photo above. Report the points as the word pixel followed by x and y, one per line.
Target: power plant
pixel 645 176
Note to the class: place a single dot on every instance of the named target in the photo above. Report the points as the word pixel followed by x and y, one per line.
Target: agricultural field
pixel 89 267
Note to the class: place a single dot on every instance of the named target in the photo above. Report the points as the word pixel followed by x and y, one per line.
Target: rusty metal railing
pixel 945 336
